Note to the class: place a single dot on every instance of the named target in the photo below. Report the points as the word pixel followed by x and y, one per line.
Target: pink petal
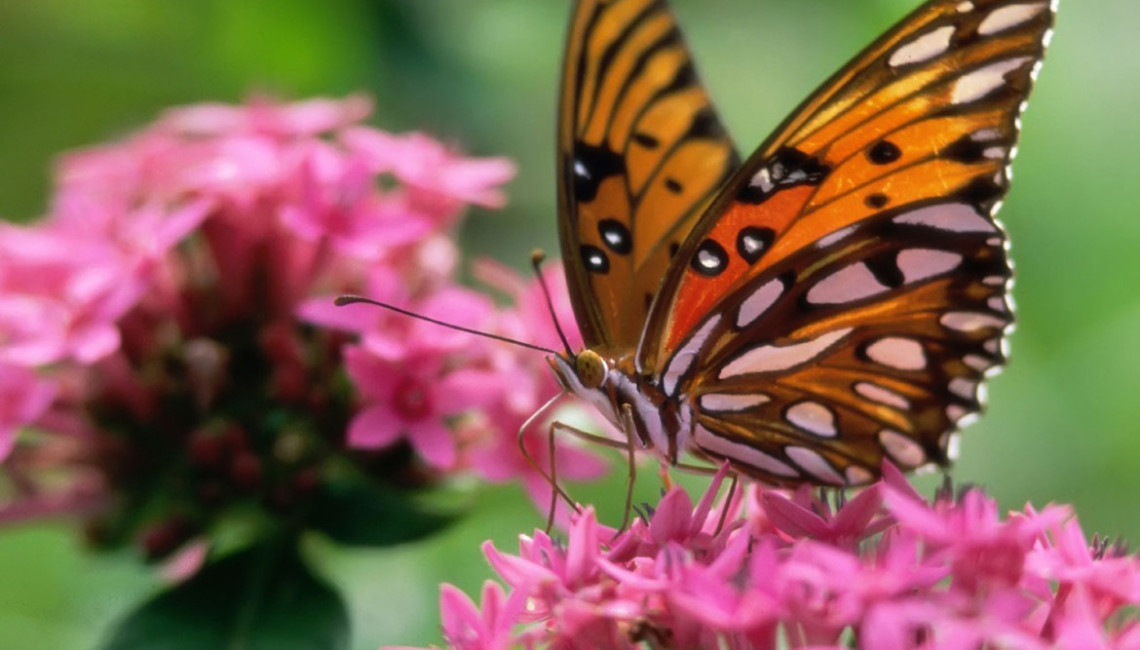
pixel 673 516
pixel 463 390
pixel 516 571
pixel 459 616
pixel 94 343
pixel 434 442
pixel 582 548
pixel 374 427
pixel 792 518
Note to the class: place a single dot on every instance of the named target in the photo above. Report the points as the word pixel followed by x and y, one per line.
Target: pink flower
pixel 890 578
pixel 168 301
pixel 338 201
pixel 438 179
pixel 806 516
pixel 24 398
pixel 971 535
pixel 70 290
pixel 263 116
pixel 414 380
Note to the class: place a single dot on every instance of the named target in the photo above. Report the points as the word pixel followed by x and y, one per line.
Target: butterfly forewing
pixel 845 295
pixel 640 153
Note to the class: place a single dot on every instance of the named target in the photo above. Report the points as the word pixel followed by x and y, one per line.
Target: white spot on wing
pixel 813 417
pixel 732 402
pixel 897 352
pixel 1009 16
pixel 954 217
pixel 918 264
pixel 755 305
pixel 986 135
pixel 741 453
pixel 853 282
pixel 955 413
pixel 902 449
pixel 983 81
pixel 923 47
pixel 815 464
pixel 951 442
pixel 877 393
pixel 964 388
pixel 977 362
pixel 858 476
pixel 969 321
pixel 772 358
pixel 994 153
pixel 763 180
pixel 686 355
pixel 837 236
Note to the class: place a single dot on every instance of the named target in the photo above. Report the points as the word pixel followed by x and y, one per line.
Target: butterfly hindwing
pixel 879 341
pixel 845 294
pixel 641 152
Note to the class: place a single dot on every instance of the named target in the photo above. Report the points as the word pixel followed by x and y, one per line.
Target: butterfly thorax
pixel 655 422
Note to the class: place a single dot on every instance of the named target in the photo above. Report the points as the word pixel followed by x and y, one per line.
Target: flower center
pixel 413 401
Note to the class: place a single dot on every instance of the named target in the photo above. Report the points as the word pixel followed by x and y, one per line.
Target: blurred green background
pixel 1063 418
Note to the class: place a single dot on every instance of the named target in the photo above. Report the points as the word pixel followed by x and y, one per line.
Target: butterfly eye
pixel 591 368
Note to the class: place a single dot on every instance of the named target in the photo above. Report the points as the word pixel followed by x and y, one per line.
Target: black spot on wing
pixel 711 259
pixel 590 166
pixel 646 140
pixel 982 192
pixel 965 150
pixel 615 236
pixel 886 270
pixel 594 259
pixel 705 125
pixel 789 167
pixel 753 241
pixel 884 152
pixel 877 201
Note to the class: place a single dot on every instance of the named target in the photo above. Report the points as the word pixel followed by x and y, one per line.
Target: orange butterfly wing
pixel 845 295
pixel 640 153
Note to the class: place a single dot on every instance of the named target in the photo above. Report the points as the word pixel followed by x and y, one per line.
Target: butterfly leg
pixel 594 439
pixel 563 428
pixel 631 476
pixel 727 503
pixel 556 490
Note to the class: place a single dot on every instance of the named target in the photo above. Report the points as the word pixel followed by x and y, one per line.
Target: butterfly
pixel 837 298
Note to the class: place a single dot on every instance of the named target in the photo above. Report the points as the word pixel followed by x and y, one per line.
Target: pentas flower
pixel 168 328
pixel 885 569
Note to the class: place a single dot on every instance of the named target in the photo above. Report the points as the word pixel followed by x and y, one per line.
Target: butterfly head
pixel 591 368
pixel 581 372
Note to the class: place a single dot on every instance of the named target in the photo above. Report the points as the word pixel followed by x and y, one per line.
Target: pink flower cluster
pixel 884 570
pixel 168 301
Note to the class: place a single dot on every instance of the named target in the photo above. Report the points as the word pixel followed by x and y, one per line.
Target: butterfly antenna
pixel 536 259
pixel 352 300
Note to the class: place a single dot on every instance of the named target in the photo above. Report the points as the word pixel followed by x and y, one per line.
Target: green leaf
pixel 355 513
pixel 262 598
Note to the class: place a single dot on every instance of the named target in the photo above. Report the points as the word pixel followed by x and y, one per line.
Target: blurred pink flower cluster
pixel 884 570
pixel 161 317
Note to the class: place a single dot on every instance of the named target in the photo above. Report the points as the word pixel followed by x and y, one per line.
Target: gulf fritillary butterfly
pixel 838 297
